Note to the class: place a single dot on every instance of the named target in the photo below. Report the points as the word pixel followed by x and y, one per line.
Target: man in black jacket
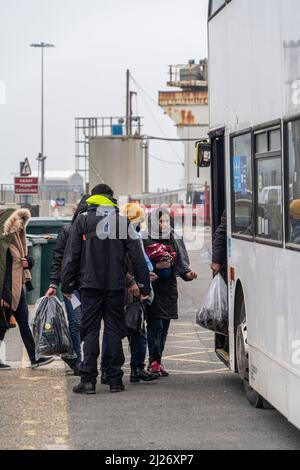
pixel 98 247
pixel 74 315
pixel 219 255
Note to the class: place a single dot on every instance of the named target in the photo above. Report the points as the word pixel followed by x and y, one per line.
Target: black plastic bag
pixel 50 330
pixel 213 313
pixel 134 318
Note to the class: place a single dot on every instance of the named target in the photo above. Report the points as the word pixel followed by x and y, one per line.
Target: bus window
pixel 294 182
pixel 268 174
pixel 262 142
pixel 241 178
pixel 275 140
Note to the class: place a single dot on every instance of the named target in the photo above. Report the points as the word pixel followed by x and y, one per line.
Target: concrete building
pixel 188 107
pixel 63 180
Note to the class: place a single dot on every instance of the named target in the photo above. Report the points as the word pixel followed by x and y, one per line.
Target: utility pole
pixel 132 94
pixel 41 156
pixel 145 146
pixel 128 105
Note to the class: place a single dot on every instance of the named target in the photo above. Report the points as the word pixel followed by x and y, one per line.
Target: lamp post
pixel 41 157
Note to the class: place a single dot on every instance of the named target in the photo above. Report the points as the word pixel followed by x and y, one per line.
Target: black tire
pixel 242 358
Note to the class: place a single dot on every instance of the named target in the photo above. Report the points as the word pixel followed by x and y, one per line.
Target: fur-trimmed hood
pixel 17 222
pixel 15 231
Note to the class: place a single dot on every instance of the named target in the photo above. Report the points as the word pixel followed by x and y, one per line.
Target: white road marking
pixel 201 372
pixel 190 354
pixel 189 341
pixel 194 361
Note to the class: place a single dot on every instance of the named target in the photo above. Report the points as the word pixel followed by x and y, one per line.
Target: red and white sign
pixel 26 186
pixel 25 168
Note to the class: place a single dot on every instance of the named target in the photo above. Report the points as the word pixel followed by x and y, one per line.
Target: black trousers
pixel 97 306
pixel 21 315
pixel 157 332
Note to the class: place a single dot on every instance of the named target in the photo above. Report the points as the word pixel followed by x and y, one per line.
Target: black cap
pixel 102 189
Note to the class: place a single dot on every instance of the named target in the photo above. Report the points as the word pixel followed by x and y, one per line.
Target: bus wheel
pixel 242 355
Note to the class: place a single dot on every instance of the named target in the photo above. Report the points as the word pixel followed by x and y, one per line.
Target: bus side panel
pixel 266 319
pixel 246 52
pixel 292 297
pixel 290 46
pixel 273 321
pixel 294 394
pixel 269 379
pixel 268 325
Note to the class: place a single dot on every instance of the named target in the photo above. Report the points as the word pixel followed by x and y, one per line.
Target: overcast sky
pixel 96 41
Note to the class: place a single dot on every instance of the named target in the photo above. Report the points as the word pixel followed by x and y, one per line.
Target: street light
pixel 41 157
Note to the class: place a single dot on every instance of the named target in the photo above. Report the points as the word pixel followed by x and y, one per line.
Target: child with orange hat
pixel 295 221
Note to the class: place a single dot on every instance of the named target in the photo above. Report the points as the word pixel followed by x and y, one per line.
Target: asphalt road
pixel 200 406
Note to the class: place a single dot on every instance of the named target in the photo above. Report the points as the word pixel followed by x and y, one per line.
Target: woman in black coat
pixel 165 305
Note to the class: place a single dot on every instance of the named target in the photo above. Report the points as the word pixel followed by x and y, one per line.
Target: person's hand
pixel 216 268
pixel 134 291
pixel 191 276
pixel 144 298
pixel 4 304
pixel 25 263
pixel 153 277
pixel 163 265
pixel 51 292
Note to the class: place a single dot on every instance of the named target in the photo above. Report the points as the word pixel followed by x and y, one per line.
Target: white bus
pixel 254 79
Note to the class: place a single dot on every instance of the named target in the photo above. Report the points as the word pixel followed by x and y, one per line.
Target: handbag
pixel 4 318
pixel 134 318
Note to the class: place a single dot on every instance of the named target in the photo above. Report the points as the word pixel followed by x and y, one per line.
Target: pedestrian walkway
pixel 200 406
pixel 188 347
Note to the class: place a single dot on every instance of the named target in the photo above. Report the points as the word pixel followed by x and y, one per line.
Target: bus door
pixel 218 200
pixel 218 177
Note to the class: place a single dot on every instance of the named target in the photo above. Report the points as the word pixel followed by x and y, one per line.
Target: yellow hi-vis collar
pixel 98 200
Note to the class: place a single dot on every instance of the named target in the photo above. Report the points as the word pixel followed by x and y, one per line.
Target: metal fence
pixel 70 195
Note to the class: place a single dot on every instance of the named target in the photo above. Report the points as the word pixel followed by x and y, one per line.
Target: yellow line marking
pixel 190 341
pixel 190 354
pixel 191 332
pixel 201 372
pixel 187 372
pixel 183 335
pixel 189 348
pixel 197 329
pixel 190 337
pixel 194 361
